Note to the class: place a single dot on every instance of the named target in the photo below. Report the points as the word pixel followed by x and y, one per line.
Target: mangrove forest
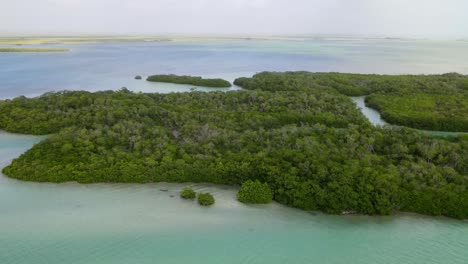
pixel 296 137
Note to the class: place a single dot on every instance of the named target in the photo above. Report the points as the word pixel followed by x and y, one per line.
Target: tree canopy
pixel 432 102
pixel 312 147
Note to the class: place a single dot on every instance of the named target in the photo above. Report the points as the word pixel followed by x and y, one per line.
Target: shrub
pixel 138 77
pixel 188 193
pixel 205 199
pixel 254 192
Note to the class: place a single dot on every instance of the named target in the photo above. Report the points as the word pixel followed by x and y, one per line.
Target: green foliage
pixel 193 80
pixel 356 84
pixel 312 147
pixel 254 192
pixel 423 111
pixel 188 193
pixel 54 111
pixel 432 102
pixel 205 199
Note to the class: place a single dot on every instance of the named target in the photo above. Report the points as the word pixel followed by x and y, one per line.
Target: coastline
pixel 32 50
pixel 52 40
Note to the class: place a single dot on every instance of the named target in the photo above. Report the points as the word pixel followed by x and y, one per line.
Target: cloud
pixel 363 17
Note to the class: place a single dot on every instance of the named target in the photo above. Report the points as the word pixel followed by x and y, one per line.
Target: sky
pixel 391 18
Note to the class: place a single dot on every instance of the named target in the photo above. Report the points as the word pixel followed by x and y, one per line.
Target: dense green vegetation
pixel 432 102
pixel 254 192
pixel 193 80
pixel 424 111
pixel 311 146
pixel 176 113
pixel 205 199
pixel 188 193
pixel 356 84
pixel 32 50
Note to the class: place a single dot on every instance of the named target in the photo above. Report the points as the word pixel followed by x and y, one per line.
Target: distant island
pixel 78 40
pixel 192 80
pixel 296 135
pixel 32 50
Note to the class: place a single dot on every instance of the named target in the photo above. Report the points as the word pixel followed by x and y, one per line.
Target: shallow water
pixel 104 66
pixel 131 223
pixel 372 115
pixel 118 223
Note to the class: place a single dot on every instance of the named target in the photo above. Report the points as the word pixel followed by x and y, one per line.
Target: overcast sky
pixel 405 18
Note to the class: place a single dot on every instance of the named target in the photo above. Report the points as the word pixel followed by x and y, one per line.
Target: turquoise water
pixel 128 223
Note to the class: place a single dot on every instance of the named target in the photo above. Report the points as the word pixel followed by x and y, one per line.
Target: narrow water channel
pixel 376 119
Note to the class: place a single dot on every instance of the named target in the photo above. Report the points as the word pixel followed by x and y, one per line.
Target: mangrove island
pixel 296 138
pixel 192 80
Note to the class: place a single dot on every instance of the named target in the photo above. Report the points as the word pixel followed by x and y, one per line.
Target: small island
pixel 79 40
pixel 192 80
pixel 33 50
pixel 295 138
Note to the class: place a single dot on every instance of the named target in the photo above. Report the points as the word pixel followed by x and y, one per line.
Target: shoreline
pixel 163 186
pixel 31 50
